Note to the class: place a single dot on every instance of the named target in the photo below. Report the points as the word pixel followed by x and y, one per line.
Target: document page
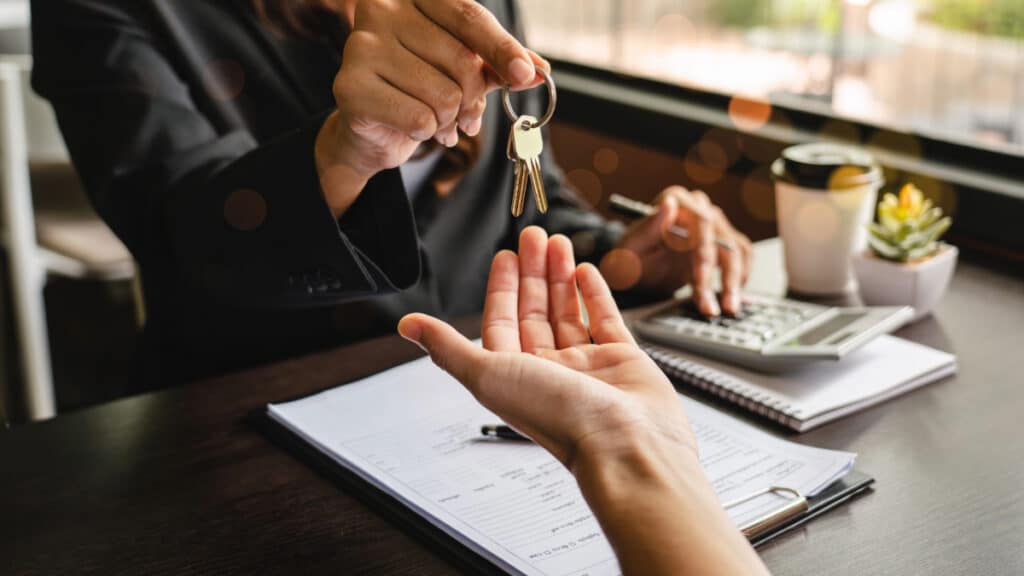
pixel 414 432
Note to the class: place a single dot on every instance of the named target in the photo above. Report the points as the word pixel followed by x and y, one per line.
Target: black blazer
pixel 192 127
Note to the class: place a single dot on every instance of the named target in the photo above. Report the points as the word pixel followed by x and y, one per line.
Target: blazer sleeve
pixel 210 210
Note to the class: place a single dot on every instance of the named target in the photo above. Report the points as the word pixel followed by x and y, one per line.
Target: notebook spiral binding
pixel 722 385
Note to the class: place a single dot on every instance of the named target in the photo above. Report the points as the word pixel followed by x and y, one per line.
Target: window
pixel 948 69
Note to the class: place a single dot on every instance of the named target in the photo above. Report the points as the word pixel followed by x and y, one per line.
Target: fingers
pixel 390 107
pixel 534 326
pixel 437 47
pixel 696 215
pixel 449 349
pixel 500 329
pixel 733 263
pixel 409 73
pixel 747 250
pixel 479 30
pixel 606 324
pixel 565 314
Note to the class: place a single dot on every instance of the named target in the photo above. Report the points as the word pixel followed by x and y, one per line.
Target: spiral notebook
pixel 804 399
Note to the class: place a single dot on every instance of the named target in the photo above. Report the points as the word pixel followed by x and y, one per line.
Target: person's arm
pixel 659 512
pixel 202 202
pixel 588 394
pixel 317 215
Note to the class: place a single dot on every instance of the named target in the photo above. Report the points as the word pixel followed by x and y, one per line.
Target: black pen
pixel 630 207
pixel 501 431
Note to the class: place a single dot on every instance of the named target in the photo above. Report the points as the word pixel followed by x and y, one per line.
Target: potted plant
pixel 906 264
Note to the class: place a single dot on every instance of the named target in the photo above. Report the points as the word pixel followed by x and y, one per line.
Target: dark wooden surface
pixel 178 482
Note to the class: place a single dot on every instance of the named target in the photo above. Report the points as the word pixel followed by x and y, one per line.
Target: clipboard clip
pixel 758 526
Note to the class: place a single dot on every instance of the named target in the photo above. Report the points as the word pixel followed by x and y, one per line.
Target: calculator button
pixel 670 322
pixel 748 341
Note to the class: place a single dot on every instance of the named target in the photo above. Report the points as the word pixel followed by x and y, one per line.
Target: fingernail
pixel 521 71
pixel 712 303
pixel 452 139
pixel 474 126
pixel 413 335
pixel 734 302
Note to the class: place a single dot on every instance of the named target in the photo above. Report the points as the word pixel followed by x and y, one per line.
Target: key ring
pixel 552 98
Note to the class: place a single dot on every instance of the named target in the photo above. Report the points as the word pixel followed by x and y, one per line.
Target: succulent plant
pixel 908 227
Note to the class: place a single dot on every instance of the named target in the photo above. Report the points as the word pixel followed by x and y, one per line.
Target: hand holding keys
pixel 525 144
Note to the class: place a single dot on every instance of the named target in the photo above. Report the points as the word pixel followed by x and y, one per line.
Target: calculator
pixel 770 334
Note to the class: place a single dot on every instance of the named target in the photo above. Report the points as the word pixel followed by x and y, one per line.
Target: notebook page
pixel 413 431
pixel 884 364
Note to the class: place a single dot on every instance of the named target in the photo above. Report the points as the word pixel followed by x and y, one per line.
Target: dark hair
pixel 310 18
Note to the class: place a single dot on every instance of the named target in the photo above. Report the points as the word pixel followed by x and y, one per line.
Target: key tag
pixel 525 145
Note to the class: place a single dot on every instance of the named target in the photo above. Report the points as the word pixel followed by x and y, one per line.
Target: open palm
pixel 569 384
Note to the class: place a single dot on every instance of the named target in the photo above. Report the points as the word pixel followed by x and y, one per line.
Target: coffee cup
pixel 825 195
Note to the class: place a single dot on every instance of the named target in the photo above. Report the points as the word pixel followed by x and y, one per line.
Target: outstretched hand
pixel 585 392
pixel 572 386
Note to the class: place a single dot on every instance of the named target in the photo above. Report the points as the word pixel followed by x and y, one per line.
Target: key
pixel 519 184
pixel 528 143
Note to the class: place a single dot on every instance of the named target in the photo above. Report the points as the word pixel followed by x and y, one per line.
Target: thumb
pixel 450 350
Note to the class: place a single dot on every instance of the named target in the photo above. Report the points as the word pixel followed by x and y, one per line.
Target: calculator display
pixel 821 333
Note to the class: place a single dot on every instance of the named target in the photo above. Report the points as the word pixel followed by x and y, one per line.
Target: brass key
pixel 519 184
pixel 528 143
pixel 525 144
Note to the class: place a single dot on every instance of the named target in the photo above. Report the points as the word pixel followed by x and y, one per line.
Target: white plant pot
pixel 917 284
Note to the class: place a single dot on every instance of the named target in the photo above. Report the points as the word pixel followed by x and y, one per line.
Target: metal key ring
pixel 552 99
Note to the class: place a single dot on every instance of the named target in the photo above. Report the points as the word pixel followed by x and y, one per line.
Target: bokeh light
pixel 757 192
pixel 749 114
pixel 606 160
pixel 698 170
pixel 726 143
pixel 587 184
pixel 673 28
pixel 224 79
pixel 245 209
pixel 621 268
pixel 817 222
pixel 895 20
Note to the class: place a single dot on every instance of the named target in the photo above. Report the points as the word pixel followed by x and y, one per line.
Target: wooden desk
pixel 177 482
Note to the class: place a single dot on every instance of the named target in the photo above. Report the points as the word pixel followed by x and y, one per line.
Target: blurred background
pixel 70 313
pixel 653 92
pixel 946 68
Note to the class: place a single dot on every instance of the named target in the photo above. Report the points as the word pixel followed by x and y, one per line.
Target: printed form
pixel 414 432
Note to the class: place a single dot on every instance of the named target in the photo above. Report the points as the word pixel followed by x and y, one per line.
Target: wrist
pixel 341 178
pixel 608 467
pixel 658 509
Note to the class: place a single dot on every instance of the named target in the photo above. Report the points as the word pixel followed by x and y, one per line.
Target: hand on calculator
pixel 668 261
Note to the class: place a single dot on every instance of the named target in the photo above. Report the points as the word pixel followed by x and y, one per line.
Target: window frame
pixel 989 183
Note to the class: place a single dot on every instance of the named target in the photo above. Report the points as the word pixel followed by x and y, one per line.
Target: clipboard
pixel 797 511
